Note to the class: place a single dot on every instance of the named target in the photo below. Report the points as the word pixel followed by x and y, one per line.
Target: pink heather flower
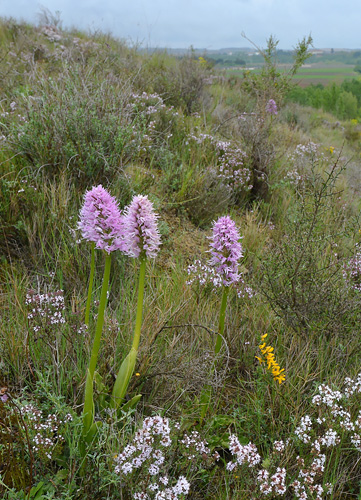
pixel 101 220
pixel 271 107
pixel 140 228
pixel 226 250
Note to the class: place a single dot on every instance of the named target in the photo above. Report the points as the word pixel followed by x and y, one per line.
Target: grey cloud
pixel 207 23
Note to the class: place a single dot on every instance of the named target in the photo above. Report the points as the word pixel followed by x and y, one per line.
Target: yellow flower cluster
pixel 202 61
pixel 269 360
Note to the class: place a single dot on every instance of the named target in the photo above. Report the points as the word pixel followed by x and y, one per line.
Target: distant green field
pixel 324 74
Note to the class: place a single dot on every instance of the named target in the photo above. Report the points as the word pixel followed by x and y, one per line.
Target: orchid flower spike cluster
pixel 226 250
pixel 222 268
pixel 271 107
pixel 101 221
pixel 134 233
pixel 140 228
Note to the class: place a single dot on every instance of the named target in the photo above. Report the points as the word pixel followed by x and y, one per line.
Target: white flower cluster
pixel 333 414
pixel 52 33
pixel 276 484
pixel 153 108
pixel 45 309
pixel 326 396
pixel 352 270
pixel 147 452
pixel 305 484
pixel 148 457
pixel 194 443
pixel 336 414
pixel 300 158
pixel 306 150
pixel 149 104
pixel 294 177
pixel 44 431
pixel 279 446
pixel 203 274
pixel 244 454
pixel 303 429
pixel 336 423
pixel 201 138
pixel 207 275
pixel 352 386
pixel 230 166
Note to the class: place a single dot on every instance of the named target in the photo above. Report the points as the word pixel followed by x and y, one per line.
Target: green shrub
pixel 80 128
pixel 303 272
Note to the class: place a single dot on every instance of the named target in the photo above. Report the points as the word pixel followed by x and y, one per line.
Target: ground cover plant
pixel 179 278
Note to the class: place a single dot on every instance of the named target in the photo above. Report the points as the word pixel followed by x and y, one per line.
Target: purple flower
pixel 101 220
pixel 226 250
pixel 140 228
pixel 271 107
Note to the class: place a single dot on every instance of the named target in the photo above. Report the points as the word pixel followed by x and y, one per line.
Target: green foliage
pixel 15 472
pixel 303 278
pixel 76 129
pixel 270 82
pixel 342 100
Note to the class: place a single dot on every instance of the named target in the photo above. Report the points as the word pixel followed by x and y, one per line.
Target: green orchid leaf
pixel 121 384
pixel 132 403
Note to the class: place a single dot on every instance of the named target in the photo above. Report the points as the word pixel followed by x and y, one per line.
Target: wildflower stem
pixel 100 319
pixel 222 317
pixel 138 321
pixel 90 288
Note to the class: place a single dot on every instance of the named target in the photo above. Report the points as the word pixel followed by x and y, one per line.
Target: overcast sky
pixel 207 24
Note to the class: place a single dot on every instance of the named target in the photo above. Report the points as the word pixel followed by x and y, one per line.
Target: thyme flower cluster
pixel 352 271
pixel 147 454
pixel 300 158
pixel 153 113
pixel 44 432
pixel 45 309
pixel 147 460
pixel 313 443
pixel 230 161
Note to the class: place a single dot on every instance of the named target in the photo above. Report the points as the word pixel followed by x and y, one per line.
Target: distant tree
pixel 353 86
pixel 346 106
pixel 239 61
pixel 330 97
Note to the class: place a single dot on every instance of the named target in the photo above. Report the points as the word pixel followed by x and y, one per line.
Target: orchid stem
pixel 222 317
pixel 138 321
pixel 90 288
pixel 100 319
